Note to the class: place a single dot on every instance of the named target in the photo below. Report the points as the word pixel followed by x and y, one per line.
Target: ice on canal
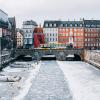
pixel 83 80
pixel 52 80
pixel 49 84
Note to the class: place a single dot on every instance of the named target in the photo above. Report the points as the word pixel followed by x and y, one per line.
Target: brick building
pixel 80 34
pixel 63 37
pixel 92 34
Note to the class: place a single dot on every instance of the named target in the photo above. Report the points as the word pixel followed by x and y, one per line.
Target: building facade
pixel 50 29
pixel 63 37
pixel 39 37
pixel 19 38
pixel 7 44
pixel 92 34
pixel 5 32
pixel 12 26
pixel 78 34
pixel 28 28
pixel 75 30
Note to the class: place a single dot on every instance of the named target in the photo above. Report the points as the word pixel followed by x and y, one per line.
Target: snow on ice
pixel 83 80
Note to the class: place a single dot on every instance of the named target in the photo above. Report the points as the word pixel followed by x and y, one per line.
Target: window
pixel 29 35
pixel 25 41
pixel 56 39
pixel 26 31
pixel 50 25
pixel 46 25
pixel 54 25
pixel 85 34
pixel 30 41
pixel 66 34
pixel 74 29
pixel 66 29
pixel 25 35
pixel 61 25
pixel 85 39
pixel 71 25
pixel 75 25
pixel 74 34
pixel 87 25
pixel 81 25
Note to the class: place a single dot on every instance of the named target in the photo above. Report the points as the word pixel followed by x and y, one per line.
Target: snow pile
pixel 20 65
pixel 27 84
pixel 83 80
pixel 9 78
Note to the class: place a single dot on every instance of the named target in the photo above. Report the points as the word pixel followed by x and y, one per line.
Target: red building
pixel 71 32
pixel 62 36
pixel 92 34
pixel 38 37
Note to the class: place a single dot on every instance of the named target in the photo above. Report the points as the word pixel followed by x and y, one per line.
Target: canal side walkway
pixel 49 84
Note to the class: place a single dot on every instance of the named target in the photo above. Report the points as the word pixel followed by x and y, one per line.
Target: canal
pixel 53 80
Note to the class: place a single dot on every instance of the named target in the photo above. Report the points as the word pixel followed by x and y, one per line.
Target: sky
pixel 40 10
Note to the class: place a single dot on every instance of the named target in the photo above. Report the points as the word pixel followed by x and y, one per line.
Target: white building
pixel 28 28
pixel 51 33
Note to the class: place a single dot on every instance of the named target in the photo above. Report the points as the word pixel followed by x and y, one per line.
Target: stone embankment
pixel 92 57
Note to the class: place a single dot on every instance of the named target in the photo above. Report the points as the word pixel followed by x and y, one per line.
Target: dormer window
pixel 54 25
pixel 80 25
pixel 75 25
pixel 66 25
pixel 61 25
pixel 87 25
pixel 50 25
pixel 71 25
pixel 92 25
pixel 98 25
pixel 46 25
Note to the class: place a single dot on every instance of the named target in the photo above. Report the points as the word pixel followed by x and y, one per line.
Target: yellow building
pixel 19 39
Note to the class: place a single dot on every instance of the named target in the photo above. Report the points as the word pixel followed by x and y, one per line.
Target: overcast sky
pixel 40 10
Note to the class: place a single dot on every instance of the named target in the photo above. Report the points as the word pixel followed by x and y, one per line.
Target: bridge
pixel 60 54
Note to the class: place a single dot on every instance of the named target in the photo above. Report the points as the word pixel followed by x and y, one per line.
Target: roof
pixel 3 12
pixel 62 24
pixel 12 21
pixel 71 24
pixel 92 23
pixel 51 22
pixel 38 30
pixel 19 30
pixel 30 22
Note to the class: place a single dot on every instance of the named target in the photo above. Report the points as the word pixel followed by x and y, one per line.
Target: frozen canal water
pixel 50 84
pixel 52 80
pixel 83 80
